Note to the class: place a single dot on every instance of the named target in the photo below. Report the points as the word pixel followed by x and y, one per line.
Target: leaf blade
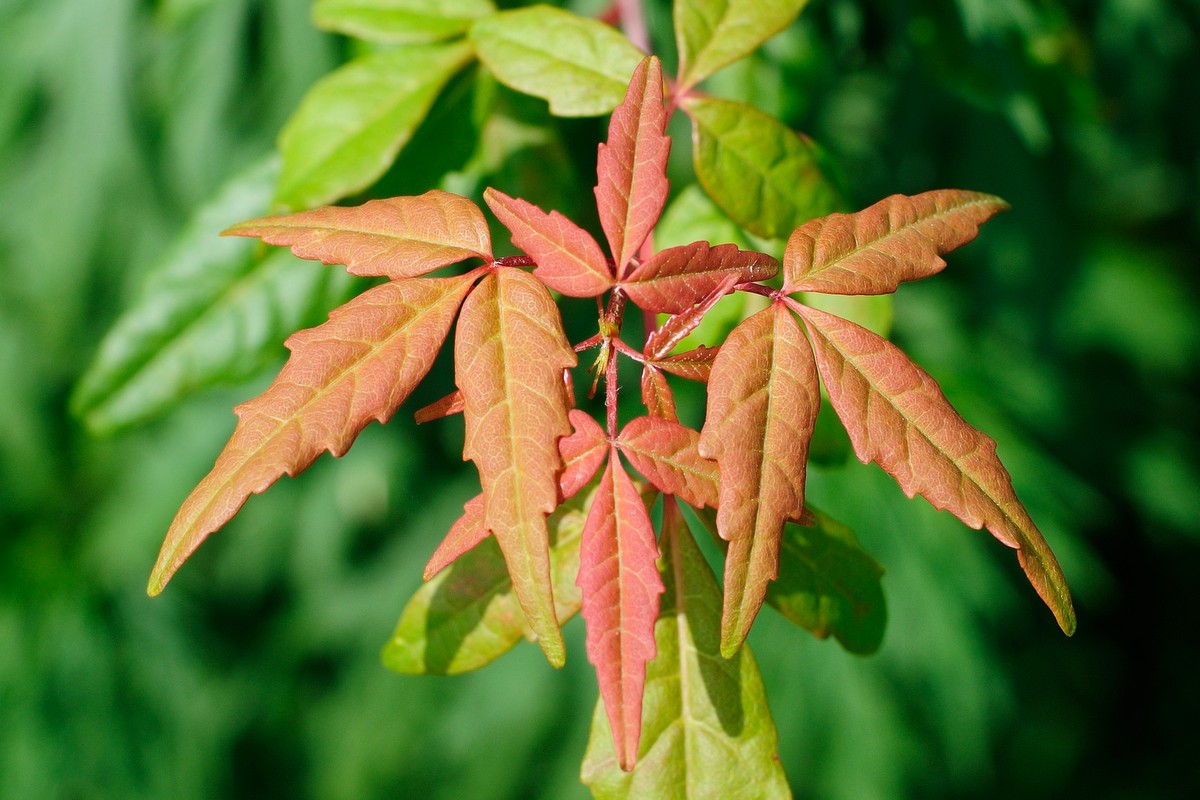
pixel 711 34
pixel 897 416
pixel 897 239
pixel 360 365
pixel 673 280
pixel 667 454
pixel 509 358
pixel 399 21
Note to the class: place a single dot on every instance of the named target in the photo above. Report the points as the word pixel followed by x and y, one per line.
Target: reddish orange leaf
pixel 509 357
pixel 568 259
pixel 695 365
pixel 583 452
pixel 621 587
pixel 763 399
pixel 897 416
pixel 657 395
pixel 447 406
pixel 675 279
pixel 874 250
pixel 663 340
pixel 360 365
pixel 632 166
pixel 666 453
pixel 466 532
pixel 400 237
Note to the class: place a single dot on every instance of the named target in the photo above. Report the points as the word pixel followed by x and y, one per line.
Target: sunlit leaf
pixel 897 416
pixel 360 365
pixel 468 615
pixel 657 395
pixel 713 33
pixel 763 399
pixel 666 454
pixel 568 259
pixel 707 731
pixel 583 452
pixel 631 166
pixel 466 532
pixel 353 122
pixel 621 585
pixel 400 237
pixel 675 279
pixel 509 357
pixel 580 65
pixel 874 250
pixel 400 21
pixel 762 174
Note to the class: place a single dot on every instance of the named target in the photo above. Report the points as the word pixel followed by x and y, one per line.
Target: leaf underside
pixel 897 416
pixel 360 365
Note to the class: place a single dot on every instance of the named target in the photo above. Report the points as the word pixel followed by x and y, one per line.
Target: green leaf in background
pixel 353 122
pixel 760 172
pixel 706 728
pixel 580 65
pixel 212 312
pixel 713 33
pixel 400 21
pixel 467 615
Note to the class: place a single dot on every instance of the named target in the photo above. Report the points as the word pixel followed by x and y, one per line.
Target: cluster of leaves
pixel 561 525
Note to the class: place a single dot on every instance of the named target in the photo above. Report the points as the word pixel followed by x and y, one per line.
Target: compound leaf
pixel 666 453
pixel 713 33
pixel 400 21
pixel 707 731
pixel 632 165
pixel 509 357
pixel 763 398
pixel 352 123
pixel 897 416
pixel 874 250
pixel 568 259
pixel 580 65
pixel 764 176
pixel 360 365
pixel 400 237
pixel 673 280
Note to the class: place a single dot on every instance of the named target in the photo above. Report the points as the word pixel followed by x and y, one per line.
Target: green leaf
pixel 400 21
pixel 211 313
pixel 713 33
pixel 762 174
pixel 706 728
pixel 468 615
pixel 580 65
pixel 353 122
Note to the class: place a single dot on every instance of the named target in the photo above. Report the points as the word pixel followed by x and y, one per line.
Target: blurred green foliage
pixel 1067 331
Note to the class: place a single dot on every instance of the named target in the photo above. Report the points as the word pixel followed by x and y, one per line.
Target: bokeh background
pixel 1068 331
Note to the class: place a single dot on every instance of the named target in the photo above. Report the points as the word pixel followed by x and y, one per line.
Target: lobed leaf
pixel 400 21
pixel 666 454
pixel 764 176
pixel 620 585
pixel 400 237
pixel 580 66
pixel 468 615
pixel 707 730
pixel 874 250
pixel 631 166
pixel 352 123
pixel 711 34
pixel 360 365
pixel 897 416
pixel 509 357
pixel 568 259
pixel 763 398
pixel 675 279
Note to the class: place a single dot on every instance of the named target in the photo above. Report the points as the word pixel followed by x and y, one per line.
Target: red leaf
pixel 663 340
pixel 621 588
pixel 762 404
pixel 360 365
pixel 677 278
pixel 466 532
pixel 657 395
pixel 897 239
pixel 666 453
pixel 632 166
pixel 509 357
pixel 695 365
pixel 399 237
pixel 897 416
pixel 568 259
pixel 583 452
